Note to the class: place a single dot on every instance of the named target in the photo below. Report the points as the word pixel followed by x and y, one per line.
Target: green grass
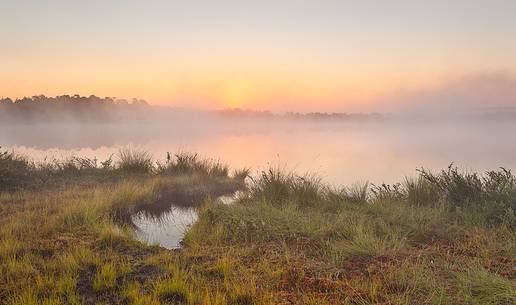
pixel 18 172
pixel 188 163
pixel 172 291
pixel 479 286
pixel 134 161
pixel 445 238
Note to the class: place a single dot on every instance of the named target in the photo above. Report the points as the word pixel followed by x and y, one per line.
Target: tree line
pixel 66 108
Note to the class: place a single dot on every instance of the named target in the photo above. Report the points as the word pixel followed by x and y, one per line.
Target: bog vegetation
pixel 66 236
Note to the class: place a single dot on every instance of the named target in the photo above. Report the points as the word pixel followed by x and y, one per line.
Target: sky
pixel 266 55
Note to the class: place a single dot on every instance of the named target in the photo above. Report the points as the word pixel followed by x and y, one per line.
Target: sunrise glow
pixel 248 54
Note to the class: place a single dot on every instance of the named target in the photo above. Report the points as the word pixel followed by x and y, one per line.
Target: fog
pixel 341 151
pixel 467 95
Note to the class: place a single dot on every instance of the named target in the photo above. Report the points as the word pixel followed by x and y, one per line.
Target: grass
pixel 440 238
pixel 479 286
pixel 17 172
pixel 105 278
pixel 134 161
pixel 188 163
pixel 172 291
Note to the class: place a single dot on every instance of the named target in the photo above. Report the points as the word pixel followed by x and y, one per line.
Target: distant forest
pixel 93 109
pixel 68 108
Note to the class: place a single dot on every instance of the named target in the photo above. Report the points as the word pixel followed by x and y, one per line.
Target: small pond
pixel 168 228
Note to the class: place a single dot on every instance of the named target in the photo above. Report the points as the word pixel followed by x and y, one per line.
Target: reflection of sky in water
pixel 339 153
pixel 166 230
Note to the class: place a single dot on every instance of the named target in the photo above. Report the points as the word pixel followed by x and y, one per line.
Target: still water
pixel 339 153
pixel 166 230
pixel 169 228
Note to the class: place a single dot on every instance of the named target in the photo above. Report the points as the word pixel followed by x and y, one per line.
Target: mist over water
pixel 339 152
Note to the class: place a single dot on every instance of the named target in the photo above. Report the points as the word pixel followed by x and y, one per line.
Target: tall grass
pixel 278 187
pixel 15 171
pixel 421 192
pixel 493 193
pixel 134 161
pixel 19 172
pixel 190 163
pixel 465 188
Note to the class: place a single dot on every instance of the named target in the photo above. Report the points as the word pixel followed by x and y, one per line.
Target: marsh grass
pixel 15 170
pixel 105 278
pixel 279 187
pixel 479 286
pixel 134 161
pixel 172 291
pixel 19 172
pixel 372 244
pixel 467 189
pixel 289 239
pixel 191 163
pixel 421 191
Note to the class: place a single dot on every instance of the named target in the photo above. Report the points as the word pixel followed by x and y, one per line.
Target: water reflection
pixel 231 198
pixel 341 153
pixel 166 230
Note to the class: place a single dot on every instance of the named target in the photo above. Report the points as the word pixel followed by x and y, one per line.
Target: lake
pixel 340 153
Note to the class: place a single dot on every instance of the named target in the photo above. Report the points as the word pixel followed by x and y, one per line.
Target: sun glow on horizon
pixel 265 55
pixel 236 94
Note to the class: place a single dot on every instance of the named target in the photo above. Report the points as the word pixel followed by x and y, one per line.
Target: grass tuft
pixel 105 277
pixel 172 291
pixel 190 163
pixel 479 286
pixel 134 161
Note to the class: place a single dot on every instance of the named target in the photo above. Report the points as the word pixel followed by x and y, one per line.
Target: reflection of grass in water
pixel 167 229
pixel 167 216
pixel 445 238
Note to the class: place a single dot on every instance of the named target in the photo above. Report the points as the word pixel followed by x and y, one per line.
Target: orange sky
pixel 334 56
